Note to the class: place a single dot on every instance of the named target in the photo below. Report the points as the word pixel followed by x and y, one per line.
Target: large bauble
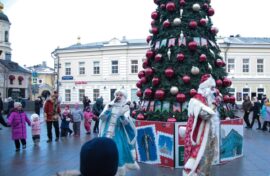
pixel 169 72
pixel 227 82
pixel 149 54
pixel 203 21
pixel 166 24
pixel 139 84
pixel 211 11
pixel 149 38
pixel 143 80
pixel 193 24
pixel 205 6
pixel 180 57
pixel 149 71
pixel 219 82
pixel 195 70
pixel 141 74
pixel 145 64
pixel 155 81
pixel 154 15
pixel 214 30
pixel 139 93
pixel 226 98
pixel 196 7
pixel 162 6
pixel 174 90
pixel 148 92
pixel 158 57
pixel 155 30
pixel 170 6
pixel 186 79
pixel 180 97
pixel 192 92
pixel 192 45
pixel 176 21
pixel 202 58
pixel 232 99
pixel 159 94
pixel 182 2
pixel 219 62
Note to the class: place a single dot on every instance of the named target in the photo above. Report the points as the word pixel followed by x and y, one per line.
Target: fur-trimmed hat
pixel 17 104
pixel 207 81
pixel 99 157
pixel 123 91
pixel 34 117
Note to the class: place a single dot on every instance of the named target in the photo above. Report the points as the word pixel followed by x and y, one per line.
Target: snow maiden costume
pixel 118 125
pixel 200 135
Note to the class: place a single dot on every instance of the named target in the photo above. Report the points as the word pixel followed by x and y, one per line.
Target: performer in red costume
pixel 200 138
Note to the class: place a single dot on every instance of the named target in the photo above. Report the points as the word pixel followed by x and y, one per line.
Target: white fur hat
pixel 123 91
pixel 17 104
pixel 34 116
pixel 207 81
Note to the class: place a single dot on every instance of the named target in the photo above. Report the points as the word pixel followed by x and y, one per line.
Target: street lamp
pixel 55 56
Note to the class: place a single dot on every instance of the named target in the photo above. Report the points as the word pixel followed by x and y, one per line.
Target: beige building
pixel 247 61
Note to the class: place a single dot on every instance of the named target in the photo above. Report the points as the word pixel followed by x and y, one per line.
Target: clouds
pixel 39 26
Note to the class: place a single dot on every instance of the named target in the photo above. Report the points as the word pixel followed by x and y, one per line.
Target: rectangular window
pixel 260 65
pixel 67 95
pixel 134 96
pixel 134 66
pixel 67 68
pixel 231 65
pixel 96 68
pixel 112 93
pixel 95 94
pixel 231 91
pixel 81 68
pixel 81 94
pixel 245 65
pixel 114 67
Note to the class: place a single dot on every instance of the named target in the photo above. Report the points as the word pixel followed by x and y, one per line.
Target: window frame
pixel 245 67
pixel 96 94
pixel 260 68
pixel 96 69
pixel 115 67
pixel 134 66
pixel 68 95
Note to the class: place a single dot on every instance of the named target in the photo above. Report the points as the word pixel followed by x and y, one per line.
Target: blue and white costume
pixel 117 124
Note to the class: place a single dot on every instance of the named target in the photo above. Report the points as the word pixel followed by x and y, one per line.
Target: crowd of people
pixel 115 124
pixel 260 110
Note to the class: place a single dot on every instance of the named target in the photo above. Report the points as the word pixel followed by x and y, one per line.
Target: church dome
pixel 2 15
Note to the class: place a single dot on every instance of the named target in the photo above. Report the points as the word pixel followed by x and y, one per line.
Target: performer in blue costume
pixel 117 124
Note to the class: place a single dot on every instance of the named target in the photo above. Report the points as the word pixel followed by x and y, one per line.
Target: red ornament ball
pixel 180 57
pixel 226 98
pixel 202 58
pixel 140 117
pixel 148 92
pixel 180 97
pixel 149 71
pixel 182 2
pixel 205 6
pixel 162 6
pixel 156 1
pixel 141 74
pixel 143 80
pixel 227 82
pixel 139 84
pixel 203 22
pixel 170 6
pixel 232 99
pixel 139 93
pixel 158 57
pixel 219 62
pixel 193 24
pixel 166 24
pixel 149 38
pixel 154 30
pixel 145 64
pixel 155 81
pixel 192 92
pixel 219 82
pixel 186 79
pixel 214 30
pixel 153 23
pixel 211 11
pixel 159 94
pixel 192 45
pixel 154 15
pixel 169 72
pixel 149 54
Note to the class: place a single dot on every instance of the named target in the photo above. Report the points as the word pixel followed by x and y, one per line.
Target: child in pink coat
pixel 35 124
pixel 17 120
pixel 88 115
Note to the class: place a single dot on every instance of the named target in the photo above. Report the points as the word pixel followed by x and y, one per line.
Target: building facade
pixel 98 69
pixel 247 65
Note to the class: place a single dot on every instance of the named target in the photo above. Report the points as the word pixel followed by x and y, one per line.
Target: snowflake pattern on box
pixel 165 144
pixel 147 145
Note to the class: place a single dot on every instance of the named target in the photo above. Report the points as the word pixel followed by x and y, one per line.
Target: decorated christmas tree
pixel 182 48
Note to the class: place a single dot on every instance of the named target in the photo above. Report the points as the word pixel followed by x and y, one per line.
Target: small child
pixel 35 124
pixel 77 116
pixel 88 115
pixel 66 119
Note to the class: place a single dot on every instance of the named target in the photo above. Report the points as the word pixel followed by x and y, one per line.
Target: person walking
pixel 36 128
pixel 77 116
pixel 266 115
pixel 97 109
pixel 88 116
pixel 66 119
pixel 17 121
pixel 256 113
pixel 52 113
pixel 86 102
pixel 247 106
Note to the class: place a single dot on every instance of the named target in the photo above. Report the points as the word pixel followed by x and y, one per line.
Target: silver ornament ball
pixel 176 21
pixel 196 7
pixel 174 90
pixel 195 70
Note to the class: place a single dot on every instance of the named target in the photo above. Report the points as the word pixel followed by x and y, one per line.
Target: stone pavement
pixel 47 159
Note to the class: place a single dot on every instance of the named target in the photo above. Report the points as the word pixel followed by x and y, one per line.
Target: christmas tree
pixel 183 47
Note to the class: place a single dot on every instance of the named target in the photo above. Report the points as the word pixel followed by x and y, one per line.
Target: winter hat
pixel 34 117
pixel 99 157
pixel 17 104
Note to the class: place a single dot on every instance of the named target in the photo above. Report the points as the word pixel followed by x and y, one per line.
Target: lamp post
pixel 55 56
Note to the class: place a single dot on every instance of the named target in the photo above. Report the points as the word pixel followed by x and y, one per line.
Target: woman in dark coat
pixel 247 107
pixel 256 113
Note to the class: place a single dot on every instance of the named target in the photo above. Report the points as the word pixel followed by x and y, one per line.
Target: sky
pixel 38 27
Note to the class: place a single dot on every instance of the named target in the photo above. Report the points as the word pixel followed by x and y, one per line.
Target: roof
pixel 3 17
pixel 13 66
pixel 41 69
pixel 112 42
pixel 247 40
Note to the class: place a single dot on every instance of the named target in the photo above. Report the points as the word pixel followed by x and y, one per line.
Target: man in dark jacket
pixel 247 107
pixel 256 113
pixel 97 109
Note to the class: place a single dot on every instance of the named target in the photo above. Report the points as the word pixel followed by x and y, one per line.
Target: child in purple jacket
pixel 17 120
